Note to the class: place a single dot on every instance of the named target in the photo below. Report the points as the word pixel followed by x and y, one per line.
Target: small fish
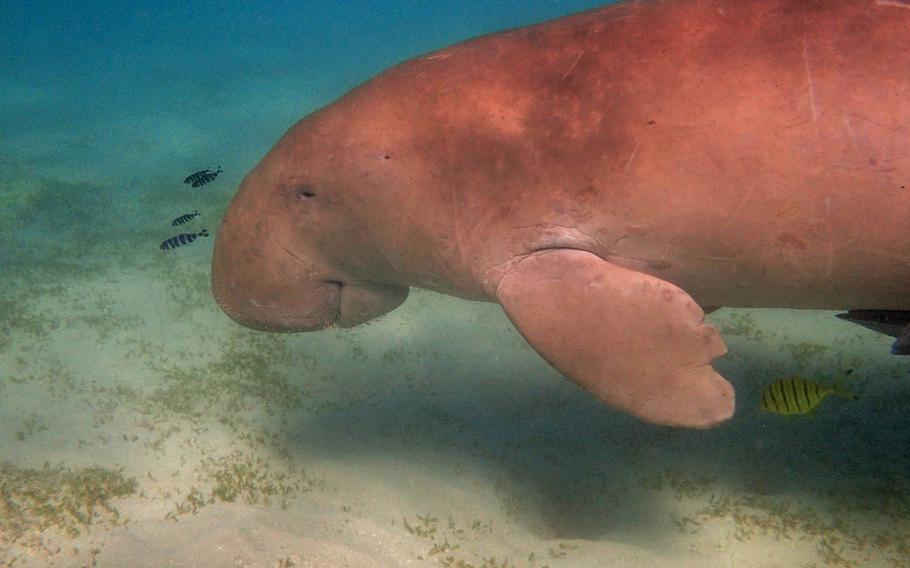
pixel 796 395
pixel 202 177
pixel 182 239
pixel 186 218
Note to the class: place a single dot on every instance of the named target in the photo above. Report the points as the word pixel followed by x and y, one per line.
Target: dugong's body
pixel 601 176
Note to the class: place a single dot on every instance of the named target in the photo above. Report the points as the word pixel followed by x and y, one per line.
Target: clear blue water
pixel 140 427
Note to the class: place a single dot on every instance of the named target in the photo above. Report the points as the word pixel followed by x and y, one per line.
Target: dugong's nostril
pixel 304 193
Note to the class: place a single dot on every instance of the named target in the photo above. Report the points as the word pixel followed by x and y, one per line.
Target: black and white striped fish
pixel 182 239
pixel 186 218
pixel 202 177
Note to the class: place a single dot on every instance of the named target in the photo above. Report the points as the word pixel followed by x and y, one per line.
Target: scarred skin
pixel 601 176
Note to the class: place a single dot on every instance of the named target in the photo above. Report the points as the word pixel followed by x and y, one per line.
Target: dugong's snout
pixel 304 308
pixel 266 279
pixel 260 297
pixel 272 290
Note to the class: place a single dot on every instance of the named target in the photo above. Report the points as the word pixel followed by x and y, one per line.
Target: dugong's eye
pixel 305 192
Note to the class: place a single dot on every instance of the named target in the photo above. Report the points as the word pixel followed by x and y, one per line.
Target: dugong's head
pixel 293 252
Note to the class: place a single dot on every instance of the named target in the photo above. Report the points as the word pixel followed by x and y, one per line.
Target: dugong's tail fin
pixel 901 345
pixel 895 323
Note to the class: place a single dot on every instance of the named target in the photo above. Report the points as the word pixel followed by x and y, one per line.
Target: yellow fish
pixel 796 395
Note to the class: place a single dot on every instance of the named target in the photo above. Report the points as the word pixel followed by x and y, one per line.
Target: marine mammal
pixel 600 176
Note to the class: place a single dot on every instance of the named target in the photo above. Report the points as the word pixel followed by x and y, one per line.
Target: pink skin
pixel 600 176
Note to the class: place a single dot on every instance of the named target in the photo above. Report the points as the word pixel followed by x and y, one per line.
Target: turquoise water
pixel 141 427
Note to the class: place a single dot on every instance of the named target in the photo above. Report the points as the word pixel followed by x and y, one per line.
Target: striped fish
pixel 182 239
pixel 796 395
pixel 202 177
pixel 186 218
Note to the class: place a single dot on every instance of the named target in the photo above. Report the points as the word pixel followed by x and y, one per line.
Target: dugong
pixel 604 177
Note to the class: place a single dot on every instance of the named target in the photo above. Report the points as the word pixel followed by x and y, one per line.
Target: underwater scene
pixel 141 427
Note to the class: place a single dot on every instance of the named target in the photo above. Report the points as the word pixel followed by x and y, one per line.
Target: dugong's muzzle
pixel 265 279
pixel 272 296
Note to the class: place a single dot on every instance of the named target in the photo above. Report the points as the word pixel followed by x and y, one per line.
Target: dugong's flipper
pixel 637 342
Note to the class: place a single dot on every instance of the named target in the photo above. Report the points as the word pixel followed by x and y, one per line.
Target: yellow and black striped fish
pixel 796 395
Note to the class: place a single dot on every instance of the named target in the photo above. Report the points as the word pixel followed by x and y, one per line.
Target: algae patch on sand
pixel 70 500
